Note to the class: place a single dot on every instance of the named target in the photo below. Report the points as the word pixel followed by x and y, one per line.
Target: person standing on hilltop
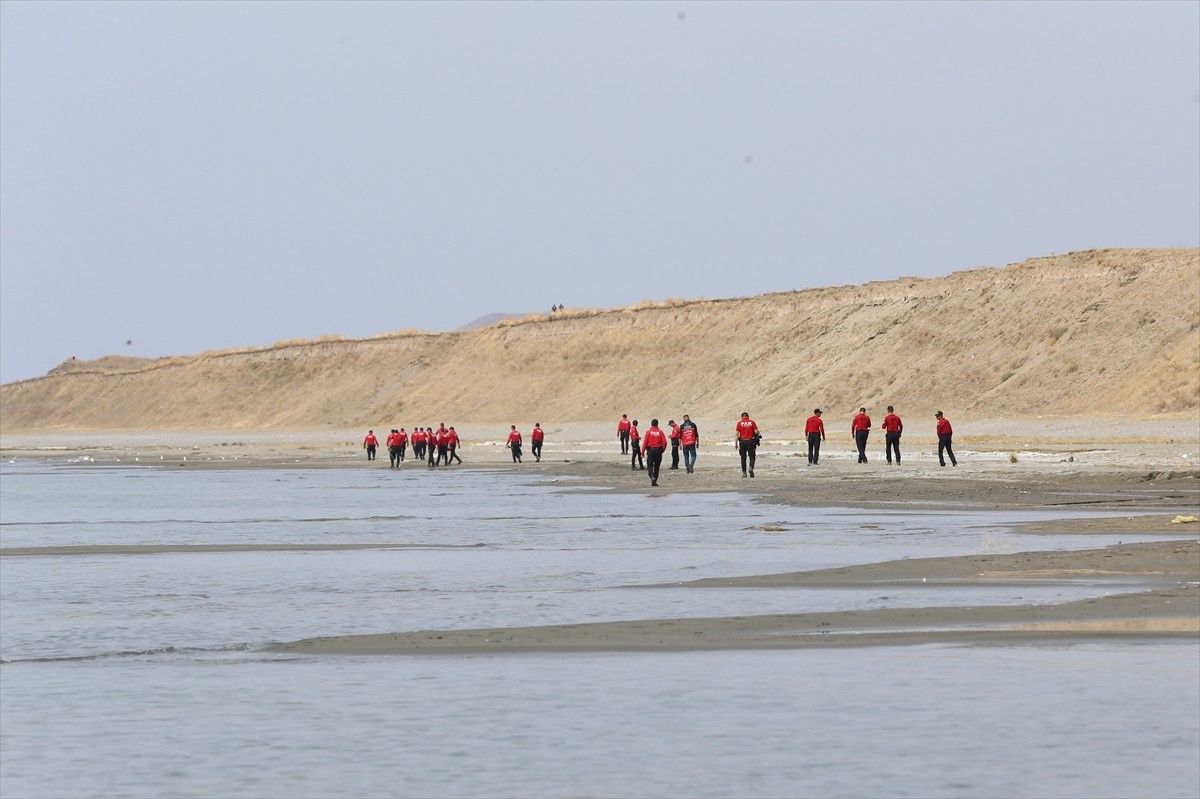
pixel 514 444
pixel 860 428
pixel 654 444
pixel 635 460
pixel 369 444
pixel 814 430
pixel 452 441
pixel 623 427
pixel 945 436
pixel 689 439
pixel 673 434
pixel 892 428
pixel 746 438
pixel 535 441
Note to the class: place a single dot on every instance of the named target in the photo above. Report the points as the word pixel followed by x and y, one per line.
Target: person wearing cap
pixel 369 444
pixel 814 430
pixel 945 436
pixel 673 434
pixel 860 428
pixel 892 428
pixel 746 438
pixel 654 443
pixel 689 439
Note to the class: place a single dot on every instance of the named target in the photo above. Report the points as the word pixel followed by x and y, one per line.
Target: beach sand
pixel 1146 469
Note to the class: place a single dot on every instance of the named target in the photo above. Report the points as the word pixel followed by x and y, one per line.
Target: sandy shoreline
pixel 1148 470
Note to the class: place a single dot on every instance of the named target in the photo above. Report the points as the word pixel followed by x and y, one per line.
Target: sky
pixel 191 176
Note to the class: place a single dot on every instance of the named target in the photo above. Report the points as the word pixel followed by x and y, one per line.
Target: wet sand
pixel 1150 473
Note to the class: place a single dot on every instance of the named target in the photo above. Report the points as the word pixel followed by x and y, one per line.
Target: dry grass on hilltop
pixel 1100 333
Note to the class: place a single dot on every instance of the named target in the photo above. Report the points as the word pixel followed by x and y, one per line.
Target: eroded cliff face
pixel 1100 332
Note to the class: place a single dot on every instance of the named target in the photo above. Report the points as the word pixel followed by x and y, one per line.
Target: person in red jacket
pixel 860 428
pixel 402 442
pixel 514 443
pixel 654 444
pixel 535 441
pixel 689 439
pixel 623 428
pixel 635 460
pixel 746 439
pixel 673 434
pixel 369 444
pixel 814 430
pixel 418 442
pixel 945 436
pixel 393 448
pixel 892 428
pixel 431 446
pixel 452 445
pixel 442 437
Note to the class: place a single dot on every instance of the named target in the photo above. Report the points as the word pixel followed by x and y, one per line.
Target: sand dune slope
pixel 1097 332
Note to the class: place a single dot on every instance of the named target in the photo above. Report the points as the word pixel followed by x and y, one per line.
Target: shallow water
pixel 140 675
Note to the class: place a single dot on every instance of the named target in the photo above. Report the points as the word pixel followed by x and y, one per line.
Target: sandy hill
pixel 1095 333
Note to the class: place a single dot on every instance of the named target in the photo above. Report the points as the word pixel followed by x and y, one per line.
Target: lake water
pixel 142 675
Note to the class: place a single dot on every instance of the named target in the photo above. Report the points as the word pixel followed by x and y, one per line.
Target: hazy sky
pixel 192 176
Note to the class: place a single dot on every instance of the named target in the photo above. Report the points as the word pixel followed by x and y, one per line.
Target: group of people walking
pixel 435 447
pixel 860 431
pixel 646 451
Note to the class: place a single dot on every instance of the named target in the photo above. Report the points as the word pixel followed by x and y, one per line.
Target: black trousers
pixel 860 438
pixel 624 442
pixel 746 449
pixel 370 452
pixel 453 453
pixel 945 449
pixel 674 454
pixel 814 447
pixel 635 460
pixel 516 453
pixel 892 444
pixel 394 454
pixel 402 447
pixel 653 462
pixel 536 449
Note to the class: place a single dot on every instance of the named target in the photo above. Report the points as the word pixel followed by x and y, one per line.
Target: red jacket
pixel 418 436
pixel 861 422
pixel 892 423
pixel 537 435
pixel 688 436
pixel 634 435
pixel 745 429
pixel 674 434
pixel 392 440
pixel 452 438
pixel 370 441
pixel 623 426
pixel 814 425
pixel 943 427
pixel 401 438
pixel 655 438
pixel 514 437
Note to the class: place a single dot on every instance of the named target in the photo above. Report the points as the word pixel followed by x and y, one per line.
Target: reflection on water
pixel 202 713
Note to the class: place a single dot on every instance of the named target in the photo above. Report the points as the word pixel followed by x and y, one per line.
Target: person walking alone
pixel 689 439
pixel 635 460
pixel 945 436
pixel 369 444
pixel 746 438
pixel 814 430
pixel 673 434
pixel 623 427
pixel 860 428
pixel 514 444
pixel 535 440
pixel 654 444
pixel 892 428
